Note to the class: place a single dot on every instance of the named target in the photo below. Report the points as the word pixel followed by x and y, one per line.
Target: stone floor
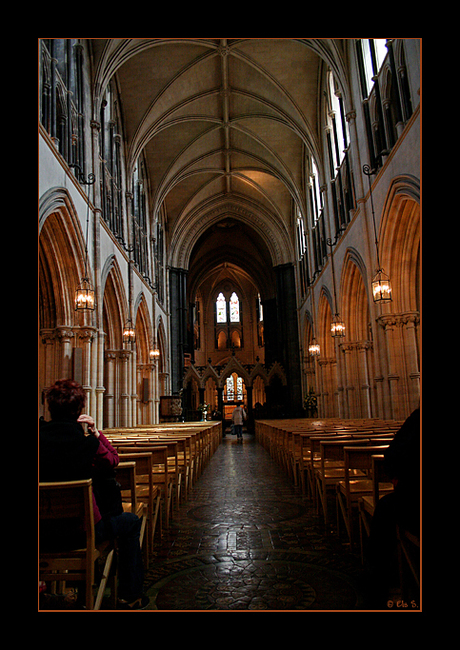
pixel 246 539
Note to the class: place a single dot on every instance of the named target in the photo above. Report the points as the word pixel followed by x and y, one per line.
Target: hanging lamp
pixel 337 325
pixel 84 295
pixel 381 285
pixel 129 333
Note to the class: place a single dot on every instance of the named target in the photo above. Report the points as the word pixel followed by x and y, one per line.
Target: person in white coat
pixel 238 416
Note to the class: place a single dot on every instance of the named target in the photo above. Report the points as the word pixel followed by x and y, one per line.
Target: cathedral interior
pixel 273 179
pixel 229 221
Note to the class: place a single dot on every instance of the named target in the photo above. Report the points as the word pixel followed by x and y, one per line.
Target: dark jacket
pixel 66 454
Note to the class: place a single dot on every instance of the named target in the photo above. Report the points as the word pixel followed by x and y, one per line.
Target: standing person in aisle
pixel 238 416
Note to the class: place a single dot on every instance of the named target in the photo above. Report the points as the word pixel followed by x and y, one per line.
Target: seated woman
pixel 66 453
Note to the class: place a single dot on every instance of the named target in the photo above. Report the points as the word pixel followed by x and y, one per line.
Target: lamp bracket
pixel 81 177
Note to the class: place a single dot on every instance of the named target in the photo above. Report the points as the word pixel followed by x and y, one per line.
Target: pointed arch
pixel 143 329
pixel 61 259
pixel 324 323
pixel 400 242
pixel 114 307
pixel 355 304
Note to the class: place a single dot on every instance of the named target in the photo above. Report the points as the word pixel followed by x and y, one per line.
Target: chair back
pixel 69 502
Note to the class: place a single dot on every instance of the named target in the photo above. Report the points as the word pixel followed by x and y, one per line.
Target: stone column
pixel 110 360
pixel 123 357
pixel 178 326
pixel 411 346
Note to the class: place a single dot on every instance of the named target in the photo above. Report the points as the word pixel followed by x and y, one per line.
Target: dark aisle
pixel 247 539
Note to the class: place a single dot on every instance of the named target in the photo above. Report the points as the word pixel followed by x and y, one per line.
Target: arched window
pixel 239 389
pixel 234 385
pixel 371 54
pixel 62 106
pixel 234 308
pixel 221 308
pixel 338 123
pixel 236 339
pixel 222 341
pixel 230 389
pixel 315 194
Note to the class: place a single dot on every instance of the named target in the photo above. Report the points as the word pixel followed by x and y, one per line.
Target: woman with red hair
pixel 68 454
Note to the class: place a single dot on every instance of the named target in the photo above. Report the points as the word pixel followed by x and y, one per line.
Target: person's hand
pixel 89 421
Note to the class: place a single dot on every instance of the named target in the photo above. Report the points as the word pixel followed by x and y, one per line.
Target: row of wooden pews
pixel 162 462
pixel 158 466
pixel 331 460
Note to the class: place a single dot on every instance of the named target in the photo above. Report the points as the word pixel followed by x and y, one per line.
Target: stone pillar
pixel 348 382
pixel 65 336
pixel 110 360
pixel 178 326
pixel 250 422
pixel 86 336
pixel 411 346
pixel 288 337
pixel 124 356
pixel 364 348
pixel 220 401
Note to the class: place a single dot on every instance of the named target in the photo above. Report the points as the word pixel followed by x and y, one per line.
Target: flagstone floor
pixel 246 539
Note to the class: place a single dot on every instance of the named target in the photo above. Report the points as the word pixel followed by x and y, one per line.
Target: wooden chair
pixel 331 468
pixel 172 481
pixel 146 492
pixel 71 504
pixel 126 477
pixel 160 476
pixel 408 549
pixel 368 502
pixel 349 490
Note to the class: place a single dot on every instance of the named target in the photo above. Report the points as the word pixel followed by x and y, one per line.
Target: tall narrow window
pixel 221 309
pixel 374 52
pixel 239 389
pixel 315 194
pixel 230 389
pixel 234 308
pixel 338 124
pixel 260 308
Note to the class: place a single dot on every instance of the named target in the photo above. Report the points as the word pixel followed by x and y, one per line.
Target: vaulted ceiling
pixel 224 126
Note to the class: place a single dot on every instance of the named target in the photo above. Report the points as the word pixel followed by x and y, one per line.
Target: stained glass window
pixel 230 389
pixel 239 389
pixel 234 308
pixel 221 309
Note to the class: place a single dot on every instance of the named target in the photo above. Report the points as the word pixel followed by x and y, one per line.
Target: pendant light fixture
pixel 337 325
pixel 381 285
pixel 129 333
pixel 84 295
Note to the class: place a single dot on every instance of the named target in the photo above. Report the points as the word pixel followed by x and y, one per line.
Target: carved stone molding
pixel 404 319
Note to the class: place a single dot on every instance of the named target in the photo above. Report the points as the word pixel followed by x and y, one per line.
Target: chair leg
pixel 103 582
